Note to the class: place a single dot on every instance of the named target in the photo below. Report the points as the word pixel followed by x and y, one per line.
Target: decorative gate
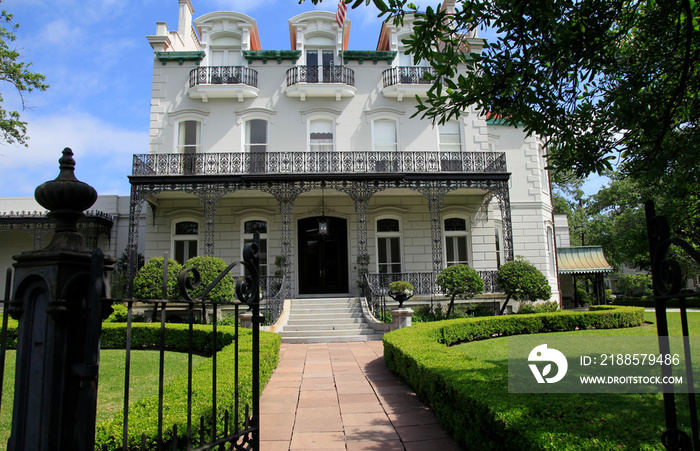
pixel 667 281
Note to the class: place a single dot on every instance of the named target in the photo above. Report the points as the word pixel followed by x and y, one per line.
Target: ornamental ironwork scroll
pixel 668 284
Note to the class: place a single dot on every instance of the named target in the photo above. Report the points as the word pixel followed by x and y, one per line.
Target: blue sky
pixel 98 64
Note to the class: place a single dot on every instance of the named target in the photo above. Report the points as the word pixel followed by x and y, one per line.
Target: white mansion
pixel 315 148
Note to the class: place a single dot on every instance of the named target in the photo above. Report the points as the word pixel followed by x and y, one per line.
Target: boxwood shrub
pixel 143 414
pixel 445 379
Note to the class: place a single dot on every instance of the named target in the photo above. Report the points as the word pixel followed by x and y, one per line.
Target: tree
pixel 459 281
pixel 148 283
pixel 209 269
pixel 16 72
pixel 520 280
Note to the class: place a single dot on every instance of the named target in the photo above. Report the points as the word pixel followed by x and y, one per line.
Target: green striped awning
pixel 582 260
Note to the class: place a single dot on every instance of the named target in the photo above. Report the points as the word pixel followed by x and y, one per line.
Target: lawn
pixel 110 399
pixel 592 421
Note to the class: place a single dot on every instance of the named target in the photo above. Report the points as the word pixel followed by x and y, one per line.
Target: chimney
pixel 184 23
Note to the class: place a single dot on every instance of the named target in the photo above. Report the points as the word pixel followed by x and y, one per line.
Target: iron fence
pixel 304 162
pixel 320 74
pixel 407 75
pixel 223 75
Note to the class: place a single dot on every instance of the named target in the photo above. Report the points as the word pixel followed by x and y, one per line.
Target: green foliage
pixel 209 269
pixel 121 274
pixel 148 283
pixel 582 296
pixel 459 281
pixel 400 286
pixel 143 412
pixel 635 284
pixel 15 72
pixel 468 397
pixel 539 307
pixel 434 312
pixel 119 314
pixel 522 281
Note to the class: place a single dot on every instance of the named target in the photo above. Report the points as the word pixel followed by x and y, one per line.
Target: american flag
pixel 341 13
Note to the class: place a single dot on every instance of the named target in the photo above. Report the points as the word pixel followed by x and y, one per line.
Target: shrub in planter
pixel 459 281
pixel 209 269
pixel 520 280
pixel 148 283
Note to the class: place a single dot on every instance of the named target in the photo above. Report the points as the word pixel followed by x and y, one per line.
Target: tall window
pixel 384 135
pixel 450 138
pixel 550 251
pixel 256 143
pixel 260 226
pixel 319 64
pixel 321 135
pixel 388 246
pixel 189 137
pixel 456 242
pixel 185 239
pixel 499 246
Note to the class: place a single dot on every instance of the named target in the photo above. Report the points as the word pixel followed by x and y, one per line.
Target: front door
pixel 323 259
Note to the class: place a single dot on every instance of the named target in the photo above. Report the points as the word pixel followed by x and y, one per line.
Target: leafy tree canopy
pixel 459 281
pixel 520 280
pixel 18 74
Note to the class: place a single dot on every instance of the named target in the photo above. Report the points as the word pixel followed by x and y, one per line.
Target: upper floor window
pixel 456 242
pixel 450 138
pixel 321 135
pixel 319 58
pixel 189 137
pixel 384 135
pixel 260 226
pixel 185 240
pixel 388 246
pixel 226 57
pixel 256 135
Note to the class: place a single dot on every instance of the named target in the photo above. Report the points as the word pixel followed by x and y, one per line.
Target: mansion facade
pixel 315 148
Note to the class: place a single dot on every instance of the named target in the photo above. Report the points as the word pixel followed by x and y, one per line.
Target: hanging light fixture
pixel 323 221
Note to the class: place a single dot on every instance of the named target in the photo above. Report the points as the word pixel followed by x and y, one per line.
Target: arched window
pixel 388 246
pixel 260 226
pixel 185 240
pixel 456 241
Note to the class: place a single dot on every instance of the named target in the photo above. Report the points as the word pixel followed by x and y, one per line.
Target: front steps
pixel 327 320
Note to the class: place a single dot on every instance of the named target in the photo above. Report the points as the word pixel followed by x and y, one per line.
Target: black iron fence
pixel 407 75
pixel 223 75
pixel 320 74
pixel 304 162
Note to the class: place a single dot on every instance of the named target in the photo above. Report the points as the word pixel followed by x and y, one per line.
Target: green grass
pixel 110 396
pixel 579 421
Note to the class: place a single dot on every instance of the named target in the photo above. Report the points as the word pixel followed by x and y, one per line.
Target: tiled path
pixel 340 396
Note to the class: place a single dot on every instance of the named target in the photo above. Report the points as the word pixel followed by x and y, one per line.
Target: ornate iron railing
pixel 320 74
pixel 223 75
pixel 376 286
pixel 305 162
pixel 271 297
pixel 412 75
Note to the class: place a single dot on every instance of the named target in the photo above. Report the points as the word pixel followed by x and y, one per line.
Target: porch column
pixel 501 191
pixel 434 193
pixel 210 195
pixel 136 203
pixel 286 194
pixel 360 193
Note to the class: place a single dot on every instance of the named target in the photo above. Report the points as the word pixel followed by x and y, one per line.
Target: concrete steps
pixel 327 320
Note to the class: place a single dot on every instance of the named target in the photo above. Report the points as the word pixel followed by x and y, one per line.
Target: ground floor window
pixel 185 241
pixel 388 246
pixel 456 242
pixel 260 226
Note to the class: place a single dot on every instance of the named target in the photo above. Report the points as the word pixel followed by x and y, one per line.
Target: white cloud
pixel 59 32
pixel 103 154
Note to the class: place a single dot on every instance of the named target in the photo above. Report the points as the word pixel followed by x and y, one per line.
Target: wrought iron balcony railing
pixel 424 283
pixel 223 75
pixel 320 74
pixel 413 75
pixel 306 162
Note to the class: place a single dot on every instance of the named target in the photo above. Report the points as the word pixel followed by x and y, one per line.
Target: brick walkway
pixel 340 396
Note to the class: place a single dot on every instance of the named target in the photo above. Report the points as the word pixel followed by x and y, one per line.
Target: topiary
pixel 459 281
pixel 148 283
pixel 520 280
pixel 209 269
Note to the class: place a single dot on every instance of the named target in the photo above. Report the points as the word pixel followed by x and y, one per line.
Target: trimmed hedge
pixel 648 302
pixel 143 414
pixel 443 377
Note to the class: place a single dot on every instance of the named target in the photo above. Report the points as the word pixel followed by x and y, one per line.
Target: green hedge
pixel 444 378
pixel 143 415
pixel 648 302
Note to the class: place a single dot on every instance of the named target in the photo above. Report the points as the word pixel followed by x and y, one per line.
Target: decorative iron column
pixel 360 192
pixel 434 193
pixel 210 195
pixel 57 301
pixel 286 194
pixel 501 191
